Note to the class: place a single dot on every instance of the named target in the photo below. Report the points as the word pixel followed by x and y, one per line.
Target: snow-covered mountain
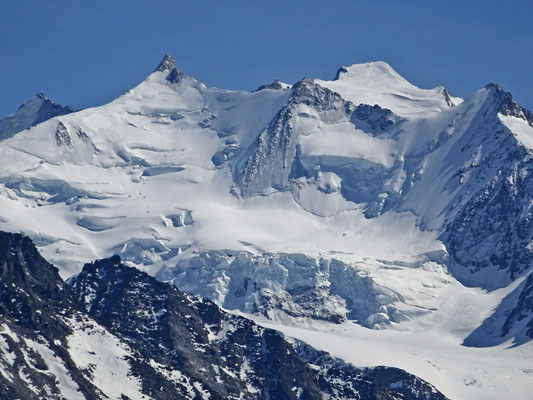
pixel 320 208
pixel 114 332
pixel 33 112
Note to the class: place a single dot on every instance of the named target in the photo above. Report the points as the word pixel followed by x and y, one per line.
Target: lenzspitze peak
pixel 166 64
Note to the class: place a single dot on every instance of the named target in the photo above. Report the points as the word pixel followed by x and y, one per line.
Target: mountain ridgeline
pixel 67 340
pixel 31 113
pixel 361 207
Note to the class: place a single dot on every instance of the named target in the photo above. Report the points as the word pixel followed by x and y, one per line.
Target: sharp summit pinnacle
pixel 166 64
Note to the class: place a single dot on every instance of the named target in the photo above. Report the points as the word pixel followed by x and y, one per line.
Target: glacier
pixel 323 208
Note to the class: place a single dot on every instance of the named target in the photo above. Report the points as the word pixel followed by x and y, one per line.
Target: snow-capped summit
pixel 363 199
pixel 36 110
pixel 378 83
pixel 370 70
pixel 275 85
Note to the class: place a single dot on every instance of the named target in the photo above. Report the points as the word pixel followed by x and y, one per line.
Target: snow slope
pixel 363 199
pixel 378 83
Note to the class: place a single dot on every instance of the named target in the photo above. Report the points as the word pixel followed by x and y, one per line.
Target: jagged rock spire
pixel 167 64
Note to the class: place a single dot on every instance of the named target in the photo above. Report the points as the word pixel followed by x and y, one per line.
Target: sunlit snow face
pixel 359 199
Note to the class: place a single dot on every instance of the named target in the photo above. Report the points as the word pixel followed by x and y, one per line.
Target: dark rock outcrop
pixel 177 346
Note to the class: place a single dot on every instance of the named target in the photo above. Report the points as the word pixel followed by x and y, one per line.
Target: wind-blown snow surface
pixel 377 83
pixel 302 203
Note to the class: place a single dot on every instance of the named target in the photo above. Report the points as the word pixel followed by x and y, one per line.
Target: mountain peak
pixel 375 69
pixel 275 85
pixel 378 83
pixel 308 92
pixel 494 86
pixel 166 64
pixel 32 112
pixel 39 98
pixel 506 105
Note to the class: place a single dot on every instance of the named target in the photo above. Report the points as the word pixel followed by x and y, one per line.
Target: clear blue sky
pixel 86 53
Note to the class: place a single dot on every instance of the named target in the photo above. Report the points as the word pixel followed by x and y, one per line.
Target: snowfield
pixel 382 234
pixel 431 347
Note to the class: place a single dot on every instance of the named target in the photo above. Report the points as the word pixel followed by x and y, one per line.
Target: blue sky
pixel 86 53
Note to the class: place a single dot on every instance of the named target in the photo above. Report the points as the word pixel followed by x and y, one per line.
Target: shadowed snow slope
pixel 31 113
pixel 363 199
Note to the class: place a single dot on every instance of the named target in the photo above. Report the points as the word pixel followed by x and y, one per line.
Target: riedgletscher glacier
pixel 372 238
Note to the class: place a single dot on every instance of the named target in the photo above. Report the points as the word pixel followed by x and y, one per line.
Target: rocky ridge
pixel 61 340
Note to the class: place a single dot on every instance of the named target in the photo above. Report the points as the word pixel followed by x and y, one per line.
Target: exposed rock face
pixel 485 166
pixel 521 315
pixel 476 172
pixel 168 65
pixel 276 85
pixel 31 113
pixel 188 335
pixel 340 71
pixel 362 200
pixel 64 341
pixel 62 136
pixel 36 307
pixel 376 118
pixel 273 154
pixel 506 105
pixel 493 228
pixel 375 381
